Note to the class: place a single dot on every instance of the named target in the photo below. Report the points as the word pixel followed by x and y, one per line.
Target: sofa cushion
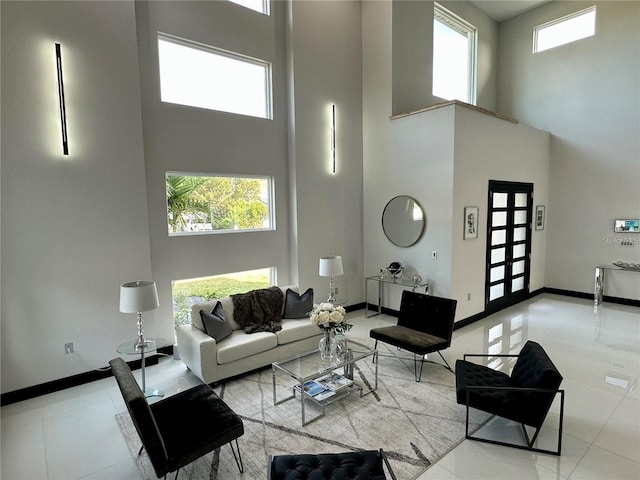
pixel 214 323
pixel 296 305
pixel 238 345
pixel 208 306
pixel 294 330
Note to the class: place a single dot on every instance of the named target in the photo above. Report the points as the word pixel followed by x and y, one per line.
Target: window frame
pixel 558 21
pixel 271 204
pixel 210 49
pixel 459 24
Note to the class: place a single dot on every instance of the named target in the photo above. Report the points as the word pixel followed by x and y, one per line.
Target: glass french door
pixel 508 244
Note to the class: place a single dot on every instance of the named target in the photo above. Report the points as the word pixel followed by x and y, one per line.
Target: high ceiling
pixel 501 10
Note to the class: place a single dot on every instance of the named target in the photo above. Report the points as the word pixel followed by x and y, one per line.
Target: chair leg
pixel 445 362
pixel 140 451
pixel 375 347
pixel 529 446
pixel 177 472
pixel 417 375
pixel 237 458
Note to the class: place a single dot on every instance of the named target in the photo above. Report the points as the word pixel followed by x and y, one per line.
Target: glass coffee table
pixel 309 369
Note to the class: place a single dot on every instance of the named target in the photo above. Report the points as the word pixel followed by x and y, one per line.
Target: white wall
pixel 187 139
pixel 422 147
pixel 586 94
pixel 73 227
pixel 488 148
pixel 327 69
pixel 80 226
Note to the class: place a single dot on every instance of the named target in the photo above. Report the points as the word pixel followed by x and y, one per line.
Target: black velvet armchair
pixel 178 429
pixel 524 397
pixel 425 325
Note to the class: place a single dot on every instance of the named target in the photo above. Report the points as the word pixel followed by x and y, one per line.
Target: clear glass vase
pixel 328 345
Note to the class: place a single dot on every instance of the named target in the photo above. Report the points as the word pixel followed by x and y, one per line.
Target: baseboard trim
pixel 75 380
pixel 91 376
pixel 589 296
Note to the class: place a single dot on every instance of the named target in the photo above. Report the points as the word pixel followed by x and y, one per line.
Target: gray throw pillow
pixel 215 324
pixel 296 305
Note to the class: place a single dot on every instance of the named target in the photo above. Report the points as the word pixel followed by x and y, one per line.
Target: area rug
pixel 414 423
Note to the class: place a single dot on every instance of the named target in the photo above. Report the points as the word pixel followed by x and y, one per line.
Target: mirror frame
pixel 402 239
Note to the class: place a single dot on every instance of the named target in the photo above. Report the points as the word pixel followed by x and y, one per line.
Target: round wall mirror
pixel 403 221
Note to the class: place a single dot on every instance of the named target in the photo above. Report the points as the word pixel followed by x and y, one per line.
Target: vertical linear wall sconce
pixel 333 138
pixel 63 108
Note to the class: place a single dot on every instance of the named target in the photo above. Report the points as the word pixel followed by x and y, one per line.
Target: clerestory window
pixel 261 6
pixel 565 30
pixel 454 56
pixel 206 77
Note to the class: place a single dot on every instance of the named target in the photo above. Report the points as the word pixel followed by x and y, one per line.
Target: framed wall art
pixel 470 222
pixel 539 217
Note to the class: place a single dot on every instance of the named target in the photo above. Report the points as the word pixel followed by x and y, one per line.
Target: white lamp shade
pixel 138 296
pixel 331 266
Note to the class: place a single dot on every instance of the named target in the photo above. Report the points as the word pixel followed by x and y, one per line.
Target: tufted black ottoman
pixel 366 465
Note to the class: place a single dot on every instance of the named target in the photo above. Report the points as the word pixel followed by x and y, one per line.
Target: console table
pixel 390 281
pixel 599 283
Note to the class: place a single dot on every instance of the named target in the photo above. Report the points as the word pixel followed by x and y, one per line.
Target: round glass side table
pixel 151 345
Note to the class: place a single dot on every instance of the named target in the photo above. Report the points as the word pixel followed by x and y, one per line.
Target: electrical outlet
pixel 68 348
pixel 337 289
pixel 434 254
pixel 468 297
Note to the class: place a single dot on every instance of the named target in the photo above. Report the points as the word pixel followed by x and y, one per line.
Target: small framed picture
pixel 540 217
pixel 470 222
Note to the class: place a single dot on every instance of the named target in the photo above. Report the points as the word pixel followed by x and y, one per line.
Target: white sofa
pixel 240 352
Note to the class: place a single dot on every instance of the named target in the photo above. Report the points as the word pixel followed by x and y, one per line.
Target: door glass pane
pixel 497 273
pixel 518 251
pixel 521 199
pixel 517 284
pixel 498 237
pixel 496 291
pixel 519 234
pixel 500 200
pixel 499 219
pixel 517 268
pixel 497 255
pixel 520 217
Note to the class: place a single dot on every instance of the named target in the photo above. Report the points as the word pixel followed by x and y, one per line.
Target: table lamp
pixel 331 267
pixel 137 297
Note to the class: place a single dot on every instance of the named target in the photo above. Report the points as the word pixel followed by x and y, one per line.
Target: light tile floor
pixel 73 434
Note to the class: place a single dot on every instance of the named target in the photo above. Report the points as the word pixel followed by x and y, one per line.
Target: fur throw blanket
pixel 259 310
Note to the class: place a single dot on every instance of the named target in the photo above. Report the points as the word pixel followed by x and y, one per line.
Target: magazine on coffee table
pixel 334 382
pixel 311 387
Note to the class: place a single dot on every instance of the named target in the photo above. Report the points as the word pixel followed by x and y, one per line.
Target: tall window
pixel 201 76
pixel 261 6
pixel 565 30
pixel 217 204
pixel 194 290
pixel 454 56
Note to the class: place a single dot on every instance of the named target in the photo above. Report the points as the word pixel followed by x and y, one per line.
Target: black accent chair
pixel 365 465
pixel 524 397
pixel 181 428
pixel 425 325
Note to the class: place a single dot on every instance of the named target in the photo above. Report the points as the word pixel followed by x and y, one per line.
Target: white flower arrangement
pixel 327 316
